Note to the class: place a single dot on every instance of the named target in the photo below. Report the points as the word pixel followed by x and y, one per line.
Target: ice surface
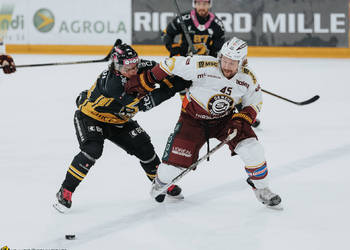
pixel 307 149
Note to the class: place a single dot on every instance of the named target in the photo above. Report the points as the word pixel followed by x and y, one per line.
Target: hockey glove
pixel 141 83
pixel 7 64
pixel 145 82
pixel 176 83
pixel 242 121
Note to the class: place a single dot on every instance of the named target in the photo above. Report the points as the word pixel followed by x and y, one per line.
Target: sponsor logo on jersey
pixel 205 64
pixel 214 76
pixel 181 151
pixel 220 104
pixel 205 117
pixel 199 76
pixel 242 83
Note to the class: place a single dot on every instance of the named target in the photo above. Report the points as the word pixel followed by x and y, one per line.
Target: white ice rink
pixel 307 150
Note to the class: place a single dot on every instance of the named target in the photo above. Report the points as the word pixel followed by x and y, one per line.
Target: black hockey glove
pixel 81 98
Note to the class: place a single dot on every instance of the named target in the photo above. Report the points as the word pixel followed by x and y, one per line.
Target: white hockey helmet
pixel 209 1
pixel 235 49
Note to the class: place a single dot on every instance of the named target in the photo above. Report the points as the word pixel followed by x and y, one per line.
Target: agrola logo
pixel 44 20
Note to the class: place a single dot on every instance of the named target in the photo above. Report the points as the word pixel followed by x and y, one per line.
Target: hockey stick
pixel 311 100
pixel 105 59
pixel 185 30
pixel 194 165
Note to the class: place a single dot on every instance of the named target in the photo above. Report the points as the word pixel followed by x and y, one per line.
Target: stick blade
pixel 311 100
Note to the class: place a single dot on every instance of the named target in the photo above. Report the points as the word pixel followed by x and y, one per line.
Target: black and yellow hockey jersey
pixel 207 34
pixel 108 92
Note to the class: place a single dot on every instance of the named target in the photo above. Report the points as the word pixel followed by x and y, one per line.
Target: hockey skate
pixel 266 197
pixel 173 192
pixel 64 200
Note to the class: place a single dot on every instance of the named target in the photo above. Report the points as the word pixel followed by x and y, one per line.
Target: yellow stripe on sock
pixel 76 176
pixel 77 171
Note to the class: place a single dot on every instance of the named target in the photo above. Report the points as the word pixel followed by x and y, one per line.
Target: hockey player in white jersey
pixel 208 111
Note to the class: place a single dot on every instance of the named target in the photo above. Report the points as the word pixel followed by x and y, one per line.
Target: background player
pixel 205 29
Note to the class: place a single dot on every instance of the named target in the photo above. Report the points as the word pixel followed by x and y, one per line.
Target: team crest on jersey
pixel 220 104
pixel 205 64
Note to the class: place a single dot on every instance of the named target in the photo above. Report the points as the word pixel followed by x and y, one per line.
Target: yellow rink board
pixel 159 50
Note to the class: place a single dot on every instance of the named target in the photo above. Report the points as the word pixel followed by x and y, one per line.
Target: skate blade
pixel 179 197
pixel 60 208
pixel 278 207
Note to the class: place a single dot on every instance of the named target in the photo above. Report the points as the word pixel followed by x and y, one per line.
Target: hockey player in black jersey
pixel 105 111
pixel 205 29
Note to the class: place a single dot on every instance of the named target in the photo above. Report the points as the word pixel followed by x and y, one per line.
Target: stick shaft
pixel 105 59
pixel 311 100
pixel 185 30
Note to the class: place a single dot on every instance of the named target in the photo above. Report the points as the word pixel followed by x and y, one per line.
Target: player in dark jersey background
pixel 105 111
pixel 205 29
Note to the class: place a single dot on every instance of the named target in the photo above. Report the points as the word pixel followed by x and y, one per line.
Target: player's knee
pixel 151 162
pixel 250 151
pixel 145 152
pixel 93 148
pixel 166 173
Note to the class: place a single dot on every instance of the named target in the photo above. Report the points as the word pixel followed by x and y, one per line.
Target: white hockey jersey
pixel 212 95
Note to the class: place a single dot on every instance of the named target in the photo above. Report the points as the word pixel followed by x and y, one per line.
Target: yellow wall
pixel 159 50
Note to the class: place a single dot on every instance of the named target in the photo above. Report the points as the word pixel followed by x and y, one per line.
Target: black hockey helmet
pixel 123 54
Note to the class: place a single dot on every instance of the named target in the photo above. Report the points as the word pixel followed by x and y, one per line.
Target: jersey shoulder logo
pixel 170 63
